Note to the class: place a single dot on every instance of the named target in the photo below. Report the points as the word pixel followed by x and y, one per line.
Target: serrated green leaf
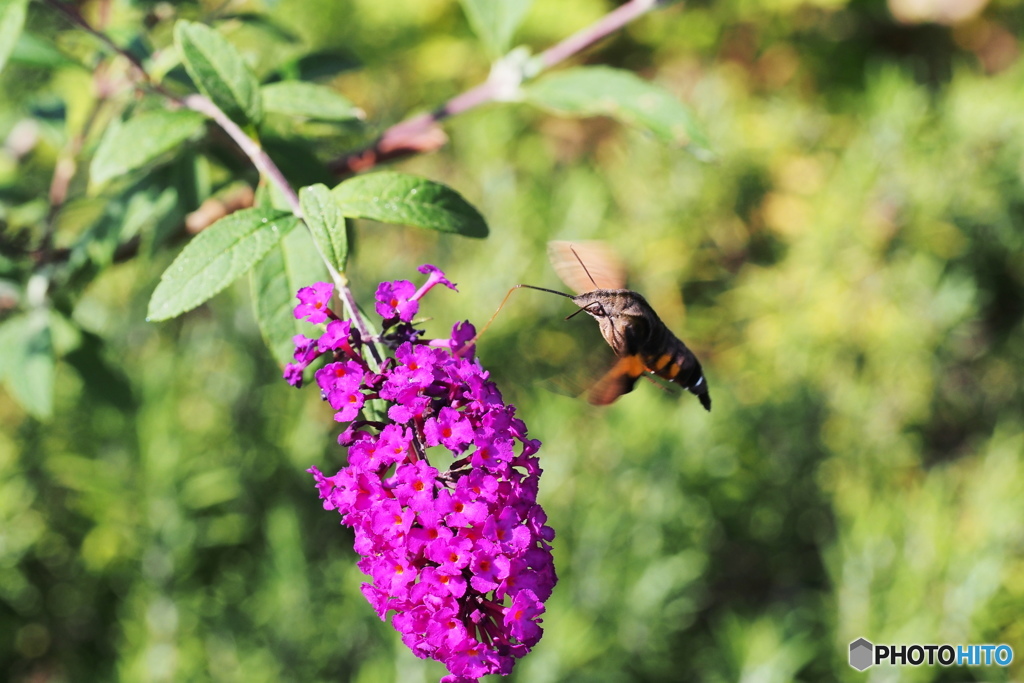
pixel 495 21
pixel 604 91
pixel 26 345
pixel 291 264
pixel 12 21
pixel 326 223
pixel 403 199
pixel 216 257
pixel 308 100
pixel 142 140
pixel 219 71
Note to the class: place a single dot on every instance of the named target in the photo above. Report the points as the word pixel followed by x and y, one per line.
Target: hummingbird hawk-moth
pixel 641 341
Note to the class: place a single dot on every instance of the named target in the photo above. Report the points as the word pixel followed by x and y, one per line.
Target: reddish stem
pixel 421 133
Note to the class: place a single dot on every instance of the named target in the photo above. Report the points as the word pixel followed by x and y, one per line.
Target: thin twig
pixel 259 158
pixel 72 14
pixel 63 172
pixel 599 30
pixel 421 133
pixel 251 148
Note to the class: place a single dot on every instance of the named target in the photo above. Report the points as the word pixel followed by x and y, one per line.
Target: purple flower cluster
pixel 461 556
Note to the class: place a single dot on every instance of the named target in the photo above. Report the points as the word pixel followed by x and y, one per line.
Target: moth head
pixel 594 303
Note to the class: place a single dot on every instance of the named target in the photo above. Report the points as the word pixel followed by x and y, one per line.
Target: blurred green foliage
pixel 849 269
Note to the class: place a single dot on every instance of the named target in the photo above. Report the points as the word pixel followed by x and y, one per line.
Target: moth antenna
pixel 542 289
pixel 584 268
pixel 500 306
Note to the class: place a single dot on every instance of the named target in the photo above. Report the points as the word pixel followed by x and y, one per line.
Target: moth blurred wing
pixel 619 380
pixel 602 264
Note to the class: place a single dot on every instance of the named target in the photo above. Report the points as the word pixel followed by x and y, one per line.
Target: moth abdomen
pixel 673 361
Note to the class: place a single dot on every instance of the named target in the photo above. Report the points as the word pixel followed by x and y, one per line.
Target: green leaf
pixel 141 140
pixel 12 21
pixel 601 90
pixel 403 199
pixel 216 257
pixel 495 21
pixel 31 50
pixel 308 100
pixel 142 209
pixel 10 335
pixel 147 209
pixel 266 25
pixel 26 345
pixel 326 223
pixel 101 379
pixel 291 264
pixel 219 71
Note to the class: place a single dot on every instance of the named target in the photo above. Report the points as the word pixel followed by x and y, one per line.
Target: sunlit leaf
pixel 308 100
pixel 215 258
pixel 31 50
pixel 604 91
pixel 266 24
pixel 12 20
pixel 496 21
pixel 141 140
pixel 219 71
pixel 291 264
pixel 26 346
pixel 409 200
pixel 326 222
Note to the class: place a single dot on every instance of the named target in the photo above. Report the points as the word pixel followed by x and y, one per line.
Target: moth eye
pixel 596 309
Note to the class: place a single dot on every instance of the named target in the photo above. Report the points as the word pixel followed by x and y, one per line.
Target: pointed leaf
pixel 291 264
pixel 12 21
pixel 326 223
pixel 600 90
pixel 404 199
pixel 496 21
pixel 216 257
pixel 308 100
pixel 219 71
pixel 26 345
pixel 141 140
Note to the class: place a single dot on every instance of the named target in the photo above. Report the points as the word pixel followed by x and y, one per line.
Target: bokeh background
pixel 849 268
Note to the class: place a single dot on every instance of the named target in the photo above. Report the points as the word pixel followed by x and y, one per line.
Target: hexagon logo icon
pixel 860 654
